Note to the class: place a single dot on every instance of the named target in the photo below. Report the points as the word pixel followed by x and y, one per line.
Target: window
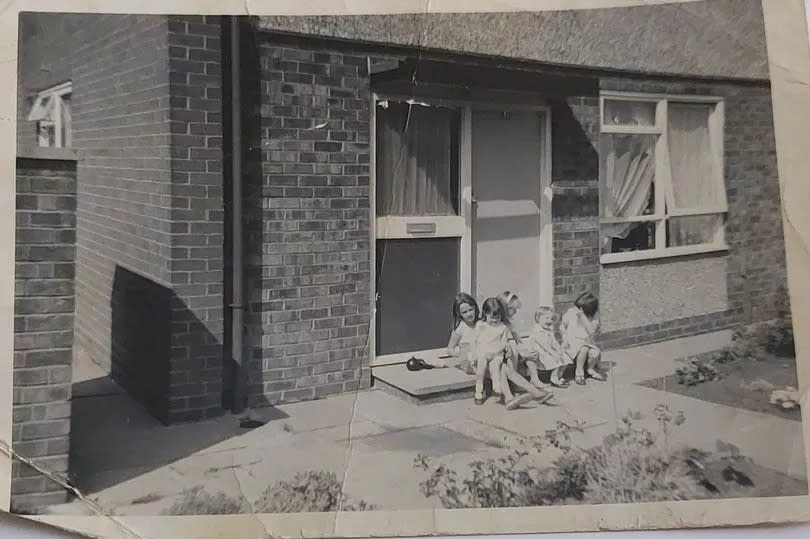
pixel 417 170
pixel 51 110
pixel 661 176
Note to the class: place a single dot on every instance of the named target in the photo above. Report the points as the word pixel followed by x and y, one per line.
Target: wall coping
pixel 51 154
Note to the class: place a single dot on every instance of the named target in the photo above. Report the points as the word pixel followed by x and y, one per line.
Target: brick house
pixel 379 171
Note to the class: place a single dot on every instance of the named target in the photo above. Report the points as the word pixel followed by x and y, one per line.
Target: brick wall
pixel 575 202
pixel 308 224
pixel 147 128
pixel 197 217
pixel 121 105
pixel 755 265
pixel 43 327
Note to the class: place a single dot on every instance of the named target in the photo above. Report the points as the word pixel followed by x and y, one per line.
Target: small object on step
pixel 417 364
pixel 250 423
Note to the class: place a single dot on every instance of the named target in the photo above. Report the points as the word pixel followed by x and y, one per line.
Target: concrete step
pixel 425 386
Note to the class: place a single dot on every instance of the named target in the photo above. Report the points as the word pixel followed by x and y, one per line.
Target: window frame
pixel 391 227
pixel 662 175
pixel 57 93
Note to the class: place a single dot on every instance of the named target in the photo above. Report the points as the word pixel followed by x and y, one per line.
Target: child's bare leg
pixel 581 359
pixel 531 392
pixel 557 376
pixel 592 361
pixel 531 366
pixel 495 365
pixel 505 387
pixel 480 374
pixel 514 377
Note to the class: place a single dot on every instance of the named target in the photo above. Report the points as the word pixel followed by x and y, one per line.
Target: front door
pixel 507 225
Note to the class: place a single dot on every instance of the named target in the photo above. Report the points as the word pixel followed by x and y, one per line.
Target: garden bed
pixel 759 362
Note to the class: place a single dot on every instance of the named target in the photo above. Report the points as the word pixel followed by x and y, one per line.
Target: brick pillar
pixel 43 327
pixel 575 205
pixel 197 215
pixel 309 284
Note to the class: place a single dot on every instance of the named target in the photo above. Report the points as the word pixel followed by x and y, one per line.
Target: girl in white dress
pixel 466 319
pixel 579 326
pixel 491 345
pixel 546 354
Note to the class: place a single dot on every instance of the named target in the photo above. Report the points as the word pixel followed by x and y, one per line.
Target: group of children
pixel 486 343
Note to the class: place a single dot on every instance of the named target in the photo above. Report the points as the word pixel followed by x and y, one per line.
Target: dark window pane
pixel 417 280
pixel 620 238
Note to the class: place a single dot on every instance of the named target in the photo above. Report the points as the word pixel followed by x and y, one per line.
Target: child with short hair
pixel 579 326
pixel 545 353
pixel 466 321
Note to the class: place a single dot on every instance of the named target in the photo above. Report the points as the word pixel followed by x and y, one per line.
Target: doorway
pixel 463 203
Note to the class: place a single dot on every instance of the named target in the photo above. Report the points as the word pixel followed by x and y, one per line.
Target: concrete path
pixel 370 439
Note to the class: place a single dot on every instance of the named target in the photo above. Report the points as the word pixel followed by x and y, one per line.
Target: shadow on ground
pixel 114 438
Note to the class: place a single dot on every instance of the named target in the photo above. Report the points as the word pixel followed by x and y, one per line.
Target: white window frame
pixel 662 178
pixel 53 117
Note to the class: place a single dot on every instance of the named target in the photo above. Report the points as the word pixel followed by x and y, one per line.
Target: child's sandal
pixel 580 380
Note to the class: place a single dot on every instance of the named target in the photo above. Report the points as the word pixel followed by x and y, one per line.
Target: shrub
pixel 629 466
pixel 309 492
pixel 196 501
pixel 697 371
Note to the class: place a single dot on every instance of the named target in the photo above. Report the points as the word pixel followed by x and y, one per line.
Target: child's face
pixel 511 309
pixel 493 319
pixel 467 312
pixel 546 320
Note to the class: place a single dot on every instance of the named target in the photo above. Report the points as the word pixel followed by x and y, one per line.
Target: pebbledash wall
pixel 748 283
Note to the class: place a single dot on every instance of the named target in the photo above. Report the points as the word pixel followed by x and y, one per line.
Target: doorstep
pixel 425 386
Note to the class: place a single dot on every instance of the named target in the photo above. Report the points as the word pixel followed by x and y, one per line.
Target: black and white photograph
pixel 421 261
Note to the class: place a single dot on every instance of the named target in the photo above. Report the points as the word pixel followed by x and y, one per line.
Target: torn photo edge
pixel 789 63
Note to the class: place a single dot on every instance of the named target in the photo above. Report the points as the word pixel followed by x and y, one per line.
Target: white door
pixel 507 171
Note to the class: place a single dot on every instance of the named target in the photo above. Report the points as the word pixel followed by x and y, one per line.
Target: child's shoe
pixel 479 400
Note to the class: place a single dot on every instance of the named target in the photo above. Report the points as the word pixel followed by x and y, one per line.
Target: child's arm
pixel 514 334
pixel 564 323
pixel 455 338
pixel 505 337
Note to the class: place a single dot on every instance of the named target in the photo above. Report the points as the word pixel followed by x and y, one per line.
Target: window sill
pixel 632 256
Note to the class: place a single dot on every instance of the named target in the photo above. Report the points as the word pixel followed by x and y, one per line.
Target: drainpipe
pixel 237 250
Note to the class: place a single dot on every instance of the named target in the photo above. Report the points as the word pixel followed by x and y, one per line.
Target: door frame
pixel 546 269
